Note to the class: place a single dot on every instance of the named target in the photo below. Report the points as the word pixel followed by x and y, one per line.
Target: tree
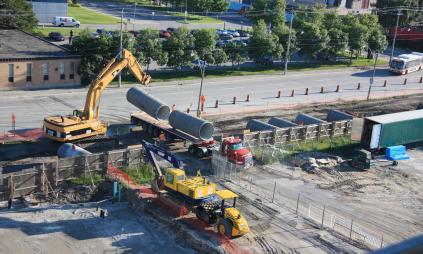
pixel 260 11
pixel 263 44
pixel 338 39
pixel 179 48
pixel 150 46
pixel 278 13
pixel 377 41
pixel 357 33
pixel 204 44
pixel 94 54
pixel 388 14
pixel 219 56
pixel 237 53
pixel 17 14
pixel 313 39
pixel 208 5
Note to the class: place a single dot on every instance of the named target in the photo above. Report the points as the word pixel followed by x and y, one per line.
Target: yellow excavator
pixel 86 123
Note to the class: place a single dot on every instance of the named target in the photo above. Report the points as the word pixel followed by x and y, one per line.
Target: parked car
pixel 164 34
pixel 94 35
pixel 171 29
pixel 56 36
pixel 220 31
pixel 225 37
pixel 222 43
pixel 65 21
pixel 101 31
pixel 243 33
pixel 135 33
pixel 233 33
pixel 241 42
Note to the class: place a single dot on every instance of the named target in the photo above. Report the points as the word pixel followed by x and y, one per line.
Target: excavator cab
pixel 77 113
pixel 231 223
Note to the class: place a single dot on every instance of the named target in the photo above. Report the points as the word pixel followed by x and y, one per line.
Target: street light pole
pixel 202 66
pixel 120 49
pixel 289 44
pixel 395 35
pixel 133 21
pixel 186 3
pixel 372 79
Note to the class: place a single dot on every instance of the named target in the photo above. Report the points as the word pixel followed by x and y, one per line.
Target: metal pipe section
pixel 335 115
pixel 304 119
pixel 256 125
pixel 281 123
pixel 192 125
pixel 68 150
pixel 148 103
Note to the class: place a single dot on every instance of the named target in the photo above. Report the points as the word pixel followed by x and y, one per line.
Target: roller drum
pixel 192 125
pixel 147 103
pixel 68 150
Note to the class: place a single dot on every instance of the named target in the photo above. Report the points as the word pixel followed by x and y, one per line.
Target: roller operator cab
pixel 231 222
pixel 234 150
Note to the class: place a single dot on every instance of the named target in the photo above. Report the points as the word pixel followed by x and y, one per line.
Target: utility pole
pixel 395 35
pixel 202 66
pixel 120 49
pixel 372 79
pixel 289 44
pixel 186 10
pixel 133 19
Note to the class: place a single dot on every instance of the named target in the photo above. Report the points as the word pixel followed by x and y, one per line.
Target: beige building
pixel 29 62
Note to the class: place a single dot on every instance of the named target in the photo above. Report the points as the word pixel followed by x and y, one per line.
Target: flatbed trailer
pixel 200 148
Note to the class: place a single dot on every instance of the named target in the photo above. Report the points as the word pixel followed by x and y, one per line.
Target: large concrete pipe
pixel 192 125
pixel 148 103
pixel 256 125
pixel 281 123
pixel 335 115
pixel 68 150
pixel 304 119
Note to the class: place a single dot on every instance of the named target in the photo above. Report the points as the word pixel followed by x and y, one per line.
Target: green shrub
pixel 86 179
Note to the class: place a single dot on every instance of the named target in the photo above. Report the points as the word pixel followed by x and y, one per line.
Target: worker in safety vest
pixel 162 139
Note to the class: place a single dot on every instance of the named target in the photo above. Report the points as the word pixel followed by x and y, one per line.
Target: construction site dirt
pixel 290 209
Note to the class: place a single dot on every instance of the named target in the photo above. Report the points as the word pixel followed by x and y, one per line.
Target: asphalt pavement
pixel 30 107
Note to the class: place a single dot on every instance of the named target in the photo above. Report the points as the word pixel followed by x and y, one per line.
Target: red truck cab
pixel 234 150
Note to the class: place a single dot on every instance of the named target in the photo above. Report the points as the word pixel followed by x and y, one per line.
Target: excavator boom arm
pixel 106 76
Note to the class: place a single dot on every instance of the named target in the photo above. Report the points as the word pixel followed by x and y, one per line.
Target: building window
pixel 44 68
pixel 71 70
pixel 28 72
pixel 62 71
pixel 11 72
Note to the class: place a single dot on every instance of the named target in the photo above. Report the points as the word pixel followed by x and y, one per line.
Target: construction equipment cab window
pixel 85 124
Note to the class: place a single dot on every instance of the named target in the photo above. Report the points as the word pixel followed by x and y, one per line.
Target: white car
pixel 66 21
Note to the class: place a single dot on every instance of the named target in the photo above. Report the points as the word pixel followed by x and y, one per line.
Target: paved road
pixel 31 106
pixel 144 18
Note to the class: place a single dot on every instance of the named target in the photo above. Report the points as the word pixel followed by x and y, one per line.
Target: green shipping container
pixel 393 129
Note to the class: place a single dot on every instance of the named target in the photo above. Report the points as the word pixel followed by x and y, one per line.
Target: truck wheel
pixel 200 153
pixel 225 227
pixel 202 215
pixel 192 149
pixel 62 25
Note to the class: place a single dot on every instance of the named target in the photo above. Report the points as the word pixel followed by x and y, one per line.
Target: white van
pixel 66 21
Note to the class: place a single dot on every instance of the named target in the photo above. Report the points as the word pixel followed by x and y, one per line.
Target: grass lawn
pixel 87 16
pixel 160 76
pixel 191 18
pixel 43 32
pixel 196 18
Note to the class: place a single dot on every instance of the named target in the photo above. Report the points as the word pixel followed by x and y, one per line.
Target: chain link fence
pixel 324 216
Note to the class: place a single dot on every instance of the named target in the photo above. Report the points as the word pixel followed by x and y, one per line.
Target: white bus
pixel 407 63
